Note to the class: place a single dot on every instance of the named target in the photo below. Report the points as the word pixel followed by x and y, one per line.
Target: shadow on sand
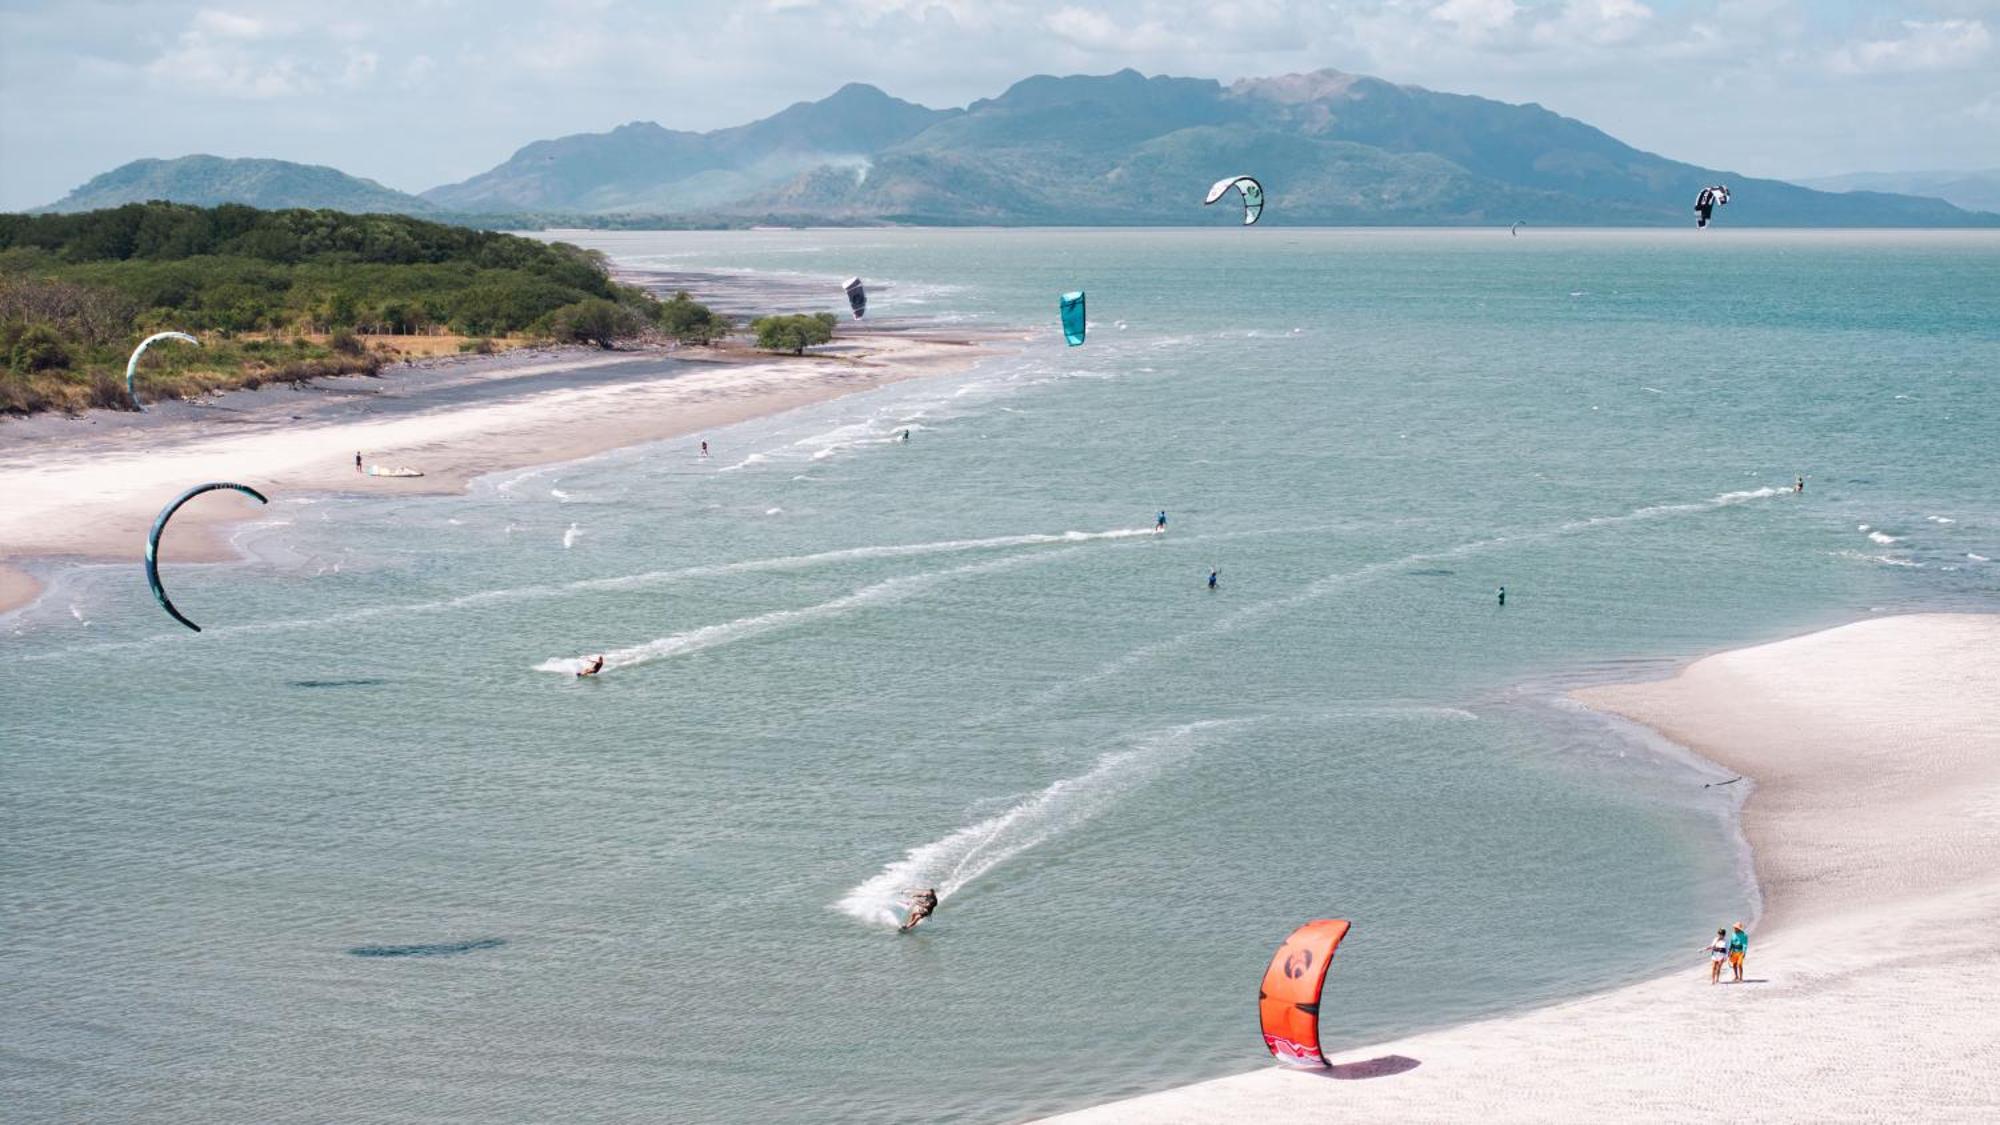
pixel 1382 1067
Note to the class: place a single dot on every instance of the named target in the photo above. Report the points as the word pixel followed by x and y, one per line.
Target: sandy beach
pixel 87 488
pixel 1873 984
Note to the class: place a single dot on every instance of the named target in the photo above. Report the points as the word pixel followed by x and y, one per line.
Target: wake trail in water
pixel 757 625
pixel 952 863
pixel 653 578
pixel 1327 584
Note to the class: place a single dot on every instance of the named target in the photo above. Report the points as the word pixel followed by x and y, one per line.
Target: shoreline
pixel 1873 750
pixel 86 489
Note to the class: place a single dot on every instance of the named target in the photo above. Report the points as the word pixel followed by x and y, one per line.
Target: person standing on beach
pixel 1739 944
pixel 357 460
pixel 1717 950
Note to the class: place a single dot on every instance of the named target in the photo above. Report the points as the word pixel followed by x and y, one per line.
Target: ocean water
pixel 364 851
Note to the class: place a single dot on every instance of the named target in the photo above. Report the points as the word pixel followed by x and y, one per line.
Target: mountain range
pixel 1973 191
pixel 1117 149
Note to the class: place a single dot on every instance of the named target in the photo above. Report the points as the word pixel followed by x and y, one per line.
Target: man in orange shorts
pixel 1739 944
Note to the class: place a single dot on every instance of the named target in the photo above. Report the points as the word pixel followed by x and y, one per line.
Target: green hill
pixel 206 181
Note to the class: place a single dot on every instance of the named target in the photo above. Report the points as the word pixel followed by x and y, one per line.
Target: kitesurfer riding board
pixel 921 904
pixel 595 666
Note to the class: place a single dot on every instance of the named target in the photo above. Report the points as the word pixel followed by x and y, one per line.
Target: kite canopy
pixel 1072 317
pixel 160 524
pixel 1515 230
pixel 1706 203
pixel 1288 1001
pixel 857 297
pixel 132 365
pixel 1253 196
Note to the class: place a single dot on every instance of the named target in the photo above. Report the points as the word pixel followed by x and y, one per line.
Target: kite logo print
pixel 1297 964
pixel 1293 1054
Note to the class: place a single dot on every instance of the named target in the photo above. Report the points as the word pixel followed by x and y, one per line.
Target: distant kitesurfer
pixel 1212 577
pixel 1799 486
pixel 905 437
pixel 921 904
pixel 1160 521
pixel 1503 595
pixel 595 666
pixel 704 449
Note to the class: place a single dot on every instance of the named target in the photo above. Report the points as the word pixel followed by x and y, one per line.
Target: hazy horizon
pixel 1780 88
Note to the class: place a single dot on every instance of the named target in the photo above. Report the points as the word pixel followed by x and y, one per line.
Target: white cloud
pixel 1923 46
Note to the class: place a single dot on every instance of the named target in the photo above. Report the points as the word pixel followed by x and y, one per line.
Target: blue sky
pixel 421 92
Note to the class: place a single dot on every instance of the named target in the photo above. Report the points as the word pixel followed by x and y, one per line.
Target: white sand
pixel 95 497
pixel 1874 989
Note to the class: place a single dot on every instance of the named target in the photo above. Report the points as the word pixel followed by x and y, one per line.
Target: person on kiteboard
pixel 921 904
pixel 1213 577
pixel 1160 521
pixel 595 666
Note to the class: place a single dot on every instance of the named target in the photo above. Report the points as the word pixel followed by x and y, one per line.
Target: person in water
pixel 1160 522
pixel 1739 945
pixel 1503 595
pixel 595 666
pixel 906 436
pixel 921 904
pixel 1212 577
pixel 704 449
pixel 1799 485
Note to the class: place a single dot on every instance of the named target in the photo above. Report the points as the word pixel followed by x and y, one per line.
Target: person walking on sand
pixel 1739 944
pixel 1717 950
pixel 357 460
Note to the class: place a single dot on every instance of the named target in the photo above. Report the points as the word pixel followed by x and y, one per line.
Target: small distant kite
pixel 1072 317
pixel 857 297
pixel 1288 1000
pixel 160 524
pixel 1706 203
pixel 1515 230
pixel 1252 191
pixel 132 365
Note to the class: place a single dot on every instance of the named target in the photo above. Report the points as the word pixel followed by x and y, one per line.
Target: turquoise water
pixel 844 666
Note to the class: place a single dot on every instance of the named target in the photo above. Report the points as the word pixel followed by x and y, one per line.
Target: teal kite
pixel 1072 317
pixel 160 524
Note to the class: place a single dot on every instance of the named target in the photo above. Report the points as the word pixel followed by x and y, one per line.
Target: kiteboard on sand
pixel 393 471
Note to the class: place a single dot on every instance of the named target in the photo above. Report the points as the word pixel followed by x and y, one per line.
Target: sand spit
pixel 1873 990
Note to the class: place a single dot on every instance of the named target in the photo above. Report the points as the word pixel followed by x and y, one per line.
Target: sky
pixel 417 93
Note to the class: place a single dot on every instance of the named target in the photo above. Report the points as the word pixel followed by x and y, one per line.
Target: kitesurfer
pixel 595 666
pixel 905 437
pixel 1503 595
pixel 1799 486
pixel 1212 577
pixel 704 449
pixel 921 903
pixel 1160 521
